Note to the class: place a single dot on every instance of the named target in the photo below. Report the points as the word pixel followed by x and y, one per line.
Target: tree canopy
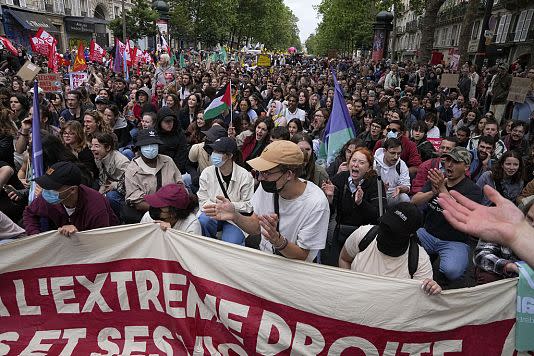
pixel 234 22
pixel 345 26
pixel 140 21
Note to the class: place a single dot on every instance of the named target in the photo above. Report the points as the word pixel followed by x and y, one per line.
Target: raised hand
pixel 223 209
pixel 498 224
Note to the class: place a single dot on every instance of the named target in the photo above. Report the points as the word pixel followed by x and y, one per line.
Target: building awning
pixel 92 20
pixel 32 21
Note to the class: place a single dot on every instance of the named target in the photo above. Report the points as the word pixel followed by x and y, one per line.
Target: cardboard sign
pixel 519 89
pixel 77 79
pixel 264 60
pixel 50 83
pixel 28 71
pixel 449 80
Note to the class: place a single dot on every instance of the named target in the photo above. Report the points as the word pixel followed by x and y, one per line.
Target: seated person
pixel 111 166
pixel 66 203
pixel 146 174
pixel 393 171
pixel 446 145
pixel 172 207
pixel 437 236
pixel 393 250
pixel 225 178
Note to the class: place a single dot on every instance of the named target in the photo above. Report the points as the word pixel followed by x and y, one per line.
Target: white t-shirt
pixel 303 220
pixel 372 261
pixel 189 224
pixel 298 114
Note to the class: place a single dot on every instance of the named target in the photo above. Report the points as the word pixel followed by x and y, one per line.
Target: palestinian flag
pixel 217 106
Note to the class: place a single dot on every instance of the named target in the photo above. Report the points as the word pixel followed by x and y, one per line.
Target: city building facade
pixel 69 21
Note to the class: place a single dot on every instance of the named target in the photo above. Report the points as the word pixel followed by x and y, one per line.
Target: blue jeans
pixel 453 255
pixel 230 233
pixel 116 200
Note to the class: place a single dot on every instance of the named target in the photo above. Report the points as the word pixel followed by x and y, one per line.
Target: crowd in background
pixel 140 150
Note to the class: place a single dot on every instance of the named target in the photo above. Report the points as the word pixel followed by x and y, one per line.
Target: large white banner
pixel 135 290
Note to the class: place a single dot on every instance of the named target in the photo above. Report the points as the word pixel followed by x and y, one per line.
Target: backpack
pixel 413 249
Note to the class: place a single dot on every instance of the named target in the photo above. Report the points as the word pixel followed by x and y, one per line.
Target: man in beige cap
pixel 291 214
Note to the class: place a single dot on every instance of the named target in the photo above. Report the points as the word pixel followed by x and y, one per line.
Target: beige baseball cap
pixel 276 153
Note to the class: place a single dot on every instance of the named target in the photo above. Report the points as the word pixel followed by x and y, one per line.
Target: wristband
pixel 283 245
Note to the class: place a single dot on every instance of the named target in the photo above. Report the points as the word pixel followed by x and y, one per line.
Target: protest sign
pixel 28 71
pixel 264 60
pixel 136 289
pixel 519 89
pixel 77 79
pixel 50 83
pixel 449 80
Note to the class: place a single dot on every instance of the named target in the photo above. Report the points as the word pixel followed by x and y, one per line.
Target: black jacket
pixel 348 213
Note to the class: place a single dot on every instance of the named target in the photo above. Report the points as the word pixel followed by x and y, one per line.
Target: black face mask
pixel 270 186
pixel 155 213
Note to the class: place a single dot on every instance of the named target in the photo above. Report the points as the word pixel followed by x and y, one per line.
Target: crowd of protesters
pixel 126 151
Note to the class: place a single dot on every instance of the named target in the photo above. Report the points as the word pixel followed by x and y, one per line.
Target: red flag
pixel 128 53
pixel 52 57
pixel 79 61
pixel 7 44
pixel 96 53
pixel 39 46
pixel 45 36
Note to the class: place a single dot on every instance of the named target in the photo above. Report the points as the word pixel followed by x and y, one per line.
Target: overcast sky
pixel 307 16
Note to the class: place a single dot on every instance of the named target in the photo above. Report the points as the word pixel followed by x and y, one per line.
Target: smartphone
pixel 8 189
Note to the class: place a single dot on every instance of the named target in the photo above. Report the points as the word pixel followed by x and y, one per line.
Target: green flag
pixel 223 57
pixel 182 60
pixel 173 59
pixel 524 327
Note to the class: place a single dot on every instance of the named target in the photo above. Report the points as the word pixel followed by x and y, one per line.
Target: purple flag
pixel 117 61
pixel 37 147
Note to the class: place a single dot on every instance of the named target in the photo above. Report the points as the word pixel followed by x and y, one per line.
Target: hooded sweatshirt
pixel 394 175
pixel 174 142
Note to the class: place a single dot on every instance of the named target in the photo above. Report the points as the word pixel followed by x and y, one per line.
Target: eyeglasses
pixel 264 174
pixel 378 127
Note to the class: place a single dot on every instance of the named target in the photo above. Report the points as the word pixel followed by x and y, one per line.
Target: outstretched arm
pixel 503 223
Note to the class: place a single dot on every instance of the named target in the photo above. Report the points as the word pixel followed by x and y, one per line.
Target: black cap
pixel 60 174
pixel 147 137
pixel 215 132
pixel 403 218
pixel 224 145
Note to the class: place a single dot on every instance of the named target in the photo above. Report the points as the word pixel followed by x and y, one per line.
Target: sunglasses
pixel 392 130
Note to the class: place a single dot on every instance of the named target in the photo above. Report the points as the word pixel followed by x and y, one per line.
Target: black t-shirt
pixel 435 222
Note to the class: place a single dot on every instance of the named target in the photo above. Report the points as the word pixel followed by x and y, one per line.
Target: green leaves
pixel 140 21
pixel 346 25
pixel 210 22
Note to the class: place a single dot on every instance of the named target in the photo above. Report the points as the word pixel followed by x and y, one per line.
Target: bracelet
pixel 283 245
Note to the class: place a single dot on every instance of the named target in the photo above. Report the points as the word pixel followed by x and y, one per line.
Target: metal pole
pixel 123 22
pixel 481 53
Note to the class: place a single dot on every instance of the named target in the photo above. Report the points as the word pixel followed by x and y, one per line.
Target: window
pixel 523 24
pixel 447 36
pixel 475 31
pixel 9 2
pixel 22 3
pixel 502 29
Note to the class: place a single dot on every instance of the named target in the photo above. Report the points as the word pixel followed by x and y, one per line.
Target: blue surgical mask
pixel 150 151
pixel 217 159
pixel 51 196
pixel 392 134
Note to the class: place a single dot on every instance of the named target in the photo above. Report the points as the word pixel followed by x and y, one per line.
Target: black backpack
pixel 413 249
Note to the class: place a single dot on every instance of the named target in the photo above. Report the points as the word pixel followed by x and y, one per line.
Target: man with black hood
pixel 390 249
